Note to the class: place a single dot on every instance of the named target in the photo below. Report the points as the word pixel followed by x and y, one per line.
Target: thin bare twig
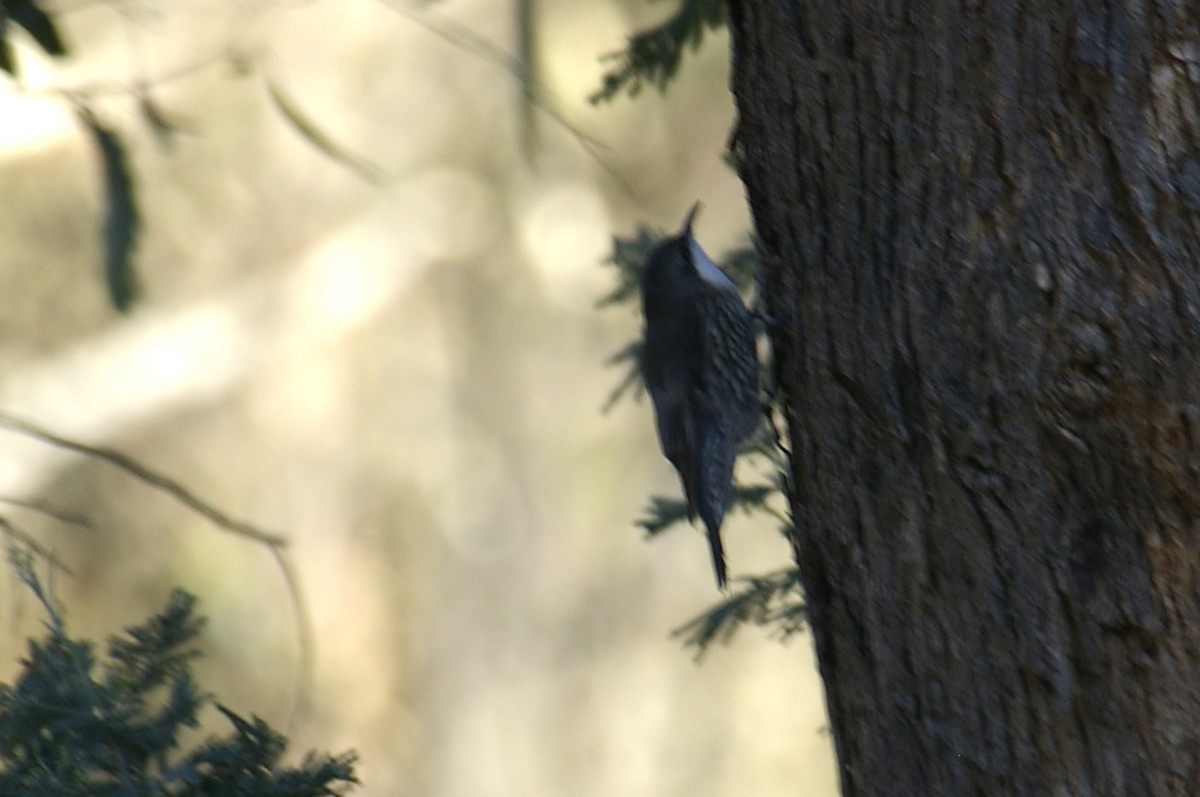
pixel 8 529
pixel 275 542
pixel 168 485
pixel 458 35
pixel 68 518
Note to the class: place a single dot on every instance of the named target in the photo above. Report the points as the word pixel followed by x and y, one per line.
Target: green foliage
pixel 629 358
pixel 628 258
pixel 121 218
pixel 73 724
pixel 653 55
pixel 775 600
pixel 275 544
pixel 662 513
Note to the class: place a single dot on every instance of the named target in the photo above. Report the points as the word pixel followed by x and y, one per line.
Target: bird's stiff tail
pixel 713 489
pixel 718 555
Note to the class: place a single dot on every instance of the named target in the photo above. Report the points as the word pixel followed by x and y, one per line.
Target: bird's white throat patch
pixel 707 269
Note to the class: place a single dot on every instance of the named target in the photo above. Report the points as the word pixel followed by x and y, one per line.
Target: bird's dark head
pixel 669 279
pixel 678 268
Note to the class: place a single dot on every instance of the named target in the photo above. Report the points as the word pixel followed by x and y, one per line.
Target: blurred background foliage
pixel 348 290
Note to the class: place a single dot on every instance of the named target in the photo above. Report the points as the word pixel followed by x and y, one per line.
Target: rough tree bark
pixel 980 224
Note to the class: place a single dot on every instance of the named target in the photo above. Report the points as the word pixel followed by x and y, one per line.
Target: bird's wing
pixel 676 421
pixel 674 410
pixel 671 364
pixel 714 473
pixel 732 376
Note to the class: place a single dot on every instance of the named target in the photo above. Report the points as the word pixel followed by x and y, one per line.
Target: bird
pixel 700 365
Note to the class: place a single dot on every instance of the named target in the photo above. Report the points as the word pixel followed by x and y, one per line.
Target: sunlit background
pixel 405 377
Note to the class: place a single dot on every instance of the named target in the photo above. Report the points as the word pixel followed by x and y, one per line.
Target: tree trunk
pixel 980 233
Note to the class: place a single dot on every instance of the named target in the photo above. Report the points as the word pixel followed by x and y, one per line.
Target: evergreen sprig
pixel 73 724
pixel 653 55
pixel 775 600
